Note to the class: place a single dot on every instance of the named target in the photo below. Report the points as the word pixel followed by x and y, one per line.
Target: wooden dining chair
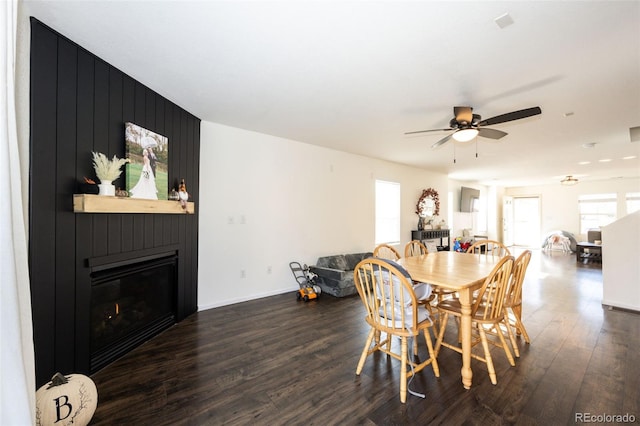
pixel 487 313
pixel 391 308
pixel 385 251
pixel 489 248
pixel 513 300
pixel 423 290
pixel 415 248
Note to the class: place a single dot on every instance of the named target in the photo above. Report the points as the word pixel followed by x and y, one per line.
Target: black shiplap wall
pixel 79 104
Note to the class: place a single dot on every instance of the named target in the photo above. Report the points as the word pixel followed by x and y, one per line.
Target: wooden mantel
pixel 90 203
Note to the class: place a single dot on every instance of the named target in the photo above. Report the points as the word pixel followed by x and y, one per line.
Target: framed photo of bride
pixel 146 171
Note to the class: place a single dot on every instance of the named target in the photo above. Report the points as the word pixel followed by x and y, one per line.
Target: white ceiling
pixel 356 75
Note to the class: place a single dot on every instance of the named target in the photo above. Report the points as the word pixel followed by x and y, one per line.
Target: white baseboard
pixel 249 297
pixel 624 306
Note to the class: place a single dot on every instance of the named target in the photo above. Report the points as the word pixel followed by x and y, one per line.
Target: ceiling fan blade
pixel 463 113
pixel 491 133
pixel 425 131
pixel 510 116
pixel 442 141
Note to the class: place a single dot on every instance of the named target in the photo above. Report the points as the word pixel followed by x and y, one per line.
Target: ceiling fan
pixel 466 125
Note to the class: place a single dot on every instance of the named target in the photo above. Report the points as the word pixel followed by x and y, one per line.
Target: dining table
pixel 461 272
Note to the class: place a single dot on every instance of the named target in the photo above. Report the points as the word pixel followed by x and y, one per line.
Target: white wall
pixel 559 203
pixel 266 201
pixel 22 103
pixel 620 266
pixel 483 222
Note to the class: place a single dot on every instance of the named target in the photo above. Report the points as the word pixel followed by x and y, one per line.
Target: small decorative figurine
pixel 121 193
pixel 183 195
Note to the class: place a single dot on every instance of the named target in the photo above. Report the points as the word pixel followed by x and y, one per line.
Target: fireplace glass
pixel 129 305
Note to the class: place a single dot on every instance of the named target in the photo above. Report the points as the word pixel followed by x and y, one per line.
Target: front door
pixel 526 221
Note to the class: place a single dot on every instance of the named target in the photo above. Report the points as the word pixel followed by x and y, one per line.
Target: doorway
pixel 526 221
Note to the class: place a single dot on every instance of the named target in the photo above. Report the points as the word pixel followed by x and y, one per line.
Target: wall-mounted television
pixel 469 199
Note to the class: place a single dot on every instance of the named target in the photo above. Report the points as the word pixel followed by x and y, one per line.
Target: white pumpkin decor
pixel 66 400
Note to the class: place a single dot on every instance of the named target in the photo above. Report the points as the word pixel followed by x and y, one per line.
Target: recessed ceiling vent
pixel 634 132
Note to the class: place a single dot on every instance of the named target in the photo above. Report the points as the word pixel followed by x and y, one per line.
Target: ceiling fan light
pixel 568 181
pixel 465 135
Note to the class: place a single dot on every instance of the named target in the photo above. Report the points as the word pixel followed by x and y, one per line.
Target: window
pixel 633 202
pixel 596 210
pixel 387 212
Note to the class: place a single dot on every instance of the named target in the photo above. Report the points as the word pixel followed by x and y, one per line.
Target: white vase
pixel 107 189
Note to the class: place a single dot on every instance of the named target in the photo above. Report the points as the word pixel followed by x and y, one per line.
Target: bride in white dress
pixel 146 186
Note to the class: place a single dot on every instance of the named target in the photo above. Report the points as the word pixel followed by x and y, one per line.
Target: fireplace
pixel 131 302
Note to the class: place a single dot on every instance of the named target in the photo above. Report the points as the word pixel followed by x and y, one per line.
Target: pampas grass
pixel 107 170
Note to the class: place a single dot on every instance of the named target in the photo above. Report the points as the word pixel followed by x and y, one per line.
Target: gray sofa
pixel 335 273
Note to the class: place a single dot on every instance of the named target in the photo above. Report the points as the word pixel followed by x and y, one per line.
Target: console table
pixel 588 252
pixel 433 234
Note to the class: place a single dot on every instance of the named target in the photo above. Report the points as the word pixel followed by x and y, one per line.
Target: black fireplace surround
pixel 79 104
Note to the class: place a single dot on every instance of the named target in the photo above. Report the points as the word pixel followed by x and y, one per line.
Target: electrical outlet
pixel 242 273
pixel 269 269
pixel 230 220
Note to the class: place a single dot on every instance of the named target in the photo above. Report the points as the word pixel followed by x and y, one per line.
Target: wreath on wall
pixel 429 193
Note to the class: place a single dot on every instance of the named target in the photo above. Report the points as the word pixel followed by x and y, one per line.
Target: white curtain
pixel 17 367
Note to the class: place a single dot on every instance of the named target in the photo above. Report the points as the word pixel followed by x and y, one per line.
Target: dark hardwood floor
pixel 277 361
